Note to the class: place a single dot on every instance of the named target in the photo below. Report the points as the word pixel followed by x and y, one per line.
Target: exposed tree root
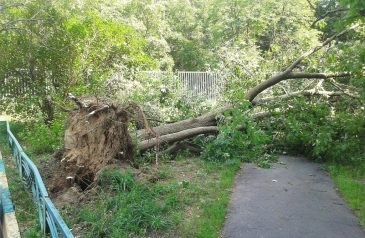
pixel 97 134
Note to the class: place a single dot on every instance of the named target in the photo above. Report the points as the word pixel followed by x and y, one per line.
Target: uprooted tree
pixel 97 133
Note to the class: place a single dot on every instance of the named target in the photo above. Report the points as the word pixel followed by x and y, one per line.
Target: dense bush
pixel 325 133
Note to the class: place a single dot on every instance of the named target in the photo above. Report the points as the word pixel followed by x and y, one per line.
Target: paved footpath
pixel 295 199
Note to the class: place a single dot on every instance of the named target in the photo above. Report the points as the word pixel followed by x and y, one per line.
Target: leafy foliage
pixel 43 138
pixel 322 132
pixel 356 10
pixel 239 138
pixel 64 49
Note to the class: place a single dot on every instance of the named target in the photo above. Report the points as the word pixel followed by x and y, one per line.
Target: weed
pixel 116 180
pixel 266 160
pixel 189 198
pixel 43 138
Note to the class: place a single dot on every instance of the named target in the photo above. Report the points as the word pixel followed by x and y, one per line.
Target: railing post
pixel 44 222
pixel 19 161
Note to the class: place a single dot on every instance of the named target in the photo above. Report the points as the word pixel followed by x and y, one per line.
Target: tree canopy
pixel 65 46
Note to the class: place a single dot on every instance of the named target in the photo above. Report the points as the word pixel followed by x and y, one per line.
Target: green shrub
pixel 40 138
pixel 239 138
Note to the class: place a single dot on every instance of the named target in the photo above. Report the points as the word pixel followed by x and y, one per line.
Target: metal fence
pixel 50 219
pixel 208 85
pixel 10 87
pixel 192 85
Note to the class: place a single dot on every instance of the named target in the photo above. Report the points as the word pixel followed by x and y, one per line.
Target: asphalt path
pixel 294 199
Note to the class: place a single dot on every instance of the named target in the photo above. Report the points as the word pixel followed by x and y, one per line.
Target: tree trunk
pixel 178 136
pixel 208 119
pixel 48 108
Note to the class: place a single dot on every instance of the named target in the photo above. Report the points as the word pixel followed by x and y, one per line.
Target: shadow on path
pixel 295 199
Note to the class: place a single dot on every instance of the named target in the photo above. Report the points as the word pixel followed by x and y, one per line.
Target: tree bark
pixel 173 149
pixel 178 136
pixel 208 119
pixel 48 108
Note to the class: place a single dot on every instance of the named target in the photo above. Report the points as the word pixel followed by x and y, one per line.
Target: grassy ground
pixel 180 198
pixel 208 222
pixel 350 181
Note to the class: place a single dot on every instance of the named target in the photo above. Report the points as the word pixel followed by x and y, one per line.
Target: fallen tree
pixel 97 133
pixel 209 119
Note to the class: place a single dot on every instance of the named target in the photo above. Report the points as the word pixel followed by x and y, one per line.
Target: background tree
pixel 55 48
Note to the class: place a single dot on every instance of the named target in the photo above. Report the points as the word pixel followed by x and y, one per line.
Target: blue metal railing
pixel 50 219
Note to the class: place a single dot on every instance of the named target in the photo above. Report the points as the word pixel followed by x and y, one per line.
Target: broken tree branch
pixel 253 92
pixel 184 145
pixel 77 101
pixel 342 87
pixel 301 75
pixel 208 119
pixel 205 124
pixel 96 111
pixel 311 92
pixel 328 13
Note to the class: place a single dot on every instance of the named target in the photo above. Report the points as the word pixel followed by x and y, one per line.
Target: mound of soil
pixel 96 136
